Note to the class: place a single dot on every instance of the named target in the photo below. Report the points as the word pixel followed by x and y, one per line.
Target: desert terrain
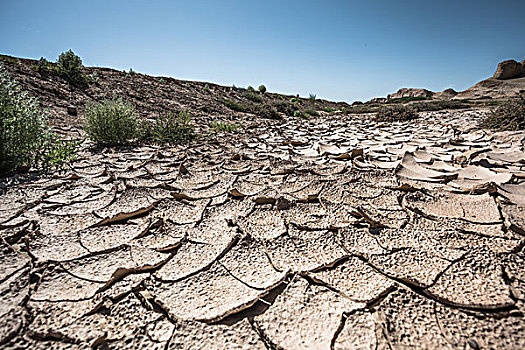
pixel 327 231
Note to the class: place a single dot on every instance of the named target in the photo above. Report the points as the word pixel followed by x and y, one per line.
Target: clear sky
pixel 339 50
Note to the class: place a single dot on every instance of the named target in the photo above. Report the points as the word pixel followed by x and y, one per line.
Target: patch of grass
pixel 329 109
pixel 236 106
pixel 396 113
pixel 510 116
pixel 25 138
pixel 70 67
pixel 169 128
pixel 112 122
pixel 252 97
pixel 298 114
pixel 311 112
pixel 262 89
pixel 223 127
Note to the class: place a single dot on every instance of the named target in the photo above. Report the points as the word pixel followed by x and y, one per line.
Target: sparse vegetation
pixel 285 107
pixel 510 116
pixel 330 109
pixel 44 65
pixel 206 88
pixel 252 97
pixel 267 110
pixel 236 106
pixel 112 122
pixel 170 128
pixel 311 113
pixel 25 138
pixel 439 105
pixel 262 89
pixel 223 127
pixel 396 113
pixel 70 67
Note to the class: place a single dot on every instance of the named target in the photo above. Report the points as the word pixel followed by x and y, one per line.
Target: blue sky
pixel 339 50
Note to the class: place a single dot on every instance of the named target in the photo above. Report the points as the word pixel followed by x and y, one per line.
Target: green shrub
pixel 294 100
pixel 285 107
pixel 25 138
pixel 312 97
pixel 170 128
pixel 223 127
pixel 510 116
pixel 262 88
pixel 56 151
pixel 267 110
pixel 330 109
pixel 395 113
pixel 112 122
pixel 252 97
pixel 311 112
pixel 70 67
pixel 250 88
pixel 235 106
pixel 206 87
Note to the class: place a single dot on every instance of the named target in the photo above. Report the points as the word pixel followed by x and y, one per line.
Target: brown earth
pixel 332 232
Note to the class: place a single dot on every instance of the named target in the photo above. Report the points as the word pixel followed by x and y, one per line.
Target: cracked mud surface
pixel 325 233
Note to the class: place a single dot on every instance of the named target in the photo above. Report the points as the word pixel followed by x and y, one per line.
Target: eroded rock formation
pixel 510 69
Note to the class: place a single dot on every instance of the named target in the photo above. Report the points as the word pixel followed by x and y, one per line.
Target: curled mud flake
pixel 13 291
pixel 263 224
pixel 304 316
pixel 189 335
pixel 476 281
pixel 472 208
pixel 207 296
pixel 302 251
pixel 355 279
pixel 131 203
pixel 359 332
pixel 248 262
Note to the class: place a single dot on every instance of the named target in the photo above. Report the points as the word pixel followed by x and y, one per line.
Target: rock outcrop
pixel 510 69
pixel 446 94
pixel 410 92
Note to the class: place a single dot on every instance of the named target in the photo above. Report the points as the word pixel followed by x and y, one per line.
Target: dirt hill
pixel 152 95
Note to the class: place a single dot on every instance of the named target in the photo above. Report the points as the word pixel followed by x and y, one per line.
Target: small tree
pixel 262 88
pixel 70 67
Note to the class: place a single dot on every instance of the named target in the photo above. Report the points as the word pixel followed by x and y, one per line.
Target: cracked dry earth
pixel 330 233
